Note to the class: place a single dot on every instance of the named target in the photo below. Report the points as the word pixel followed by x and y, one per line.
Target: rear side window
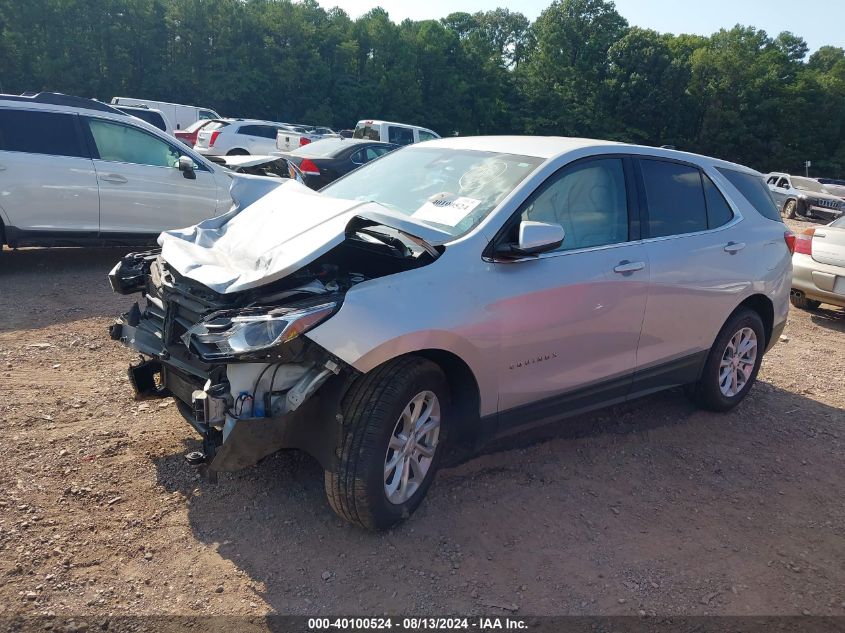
pixel 400 135
pixel 719 211
pixel 39 133
pixel 755 191
pixel 675 198
pixel 366 131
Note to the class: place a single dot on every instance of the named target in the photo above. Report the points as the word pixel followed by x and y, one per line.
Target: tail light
pixel 308 167
pixel 804 242
pixel 789 238
pixel 213 137
pixel 303 141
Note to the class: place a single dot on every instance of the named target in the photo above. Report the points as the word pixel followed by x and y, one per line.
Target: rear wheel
pixel 789 209
pixel 732 364
pixel 801 302
pixel 394 424
pixel 237 152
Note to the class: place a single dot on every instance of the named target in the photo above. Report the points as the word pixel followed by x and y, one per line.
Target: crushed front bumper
pixel 204 397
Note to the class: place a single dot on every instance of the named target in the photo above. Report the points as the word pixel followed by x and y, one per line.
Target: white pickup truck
pixel 295 136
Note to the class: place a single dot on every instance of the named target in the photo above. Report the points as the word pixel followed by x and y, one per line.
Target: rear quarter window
pixel 754 190
pixel 37 132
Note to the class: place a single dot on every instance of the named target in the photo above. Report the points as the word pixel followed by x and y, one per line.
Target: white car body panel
pixel 179 115
pixel 54 195
pixel 147 199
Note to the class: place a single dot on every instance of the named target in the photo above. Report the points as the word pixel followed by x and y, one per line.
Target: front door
pixel 142 192
pixel 569 320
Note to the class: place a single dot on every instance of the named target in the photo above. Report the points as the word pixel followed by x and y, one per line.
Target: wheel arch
pixel 763 306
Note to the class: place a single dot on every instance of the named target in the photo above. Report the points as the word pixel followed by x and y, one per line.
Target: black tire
pixel 371 409
pixel 237 152
pixel 789 208
pixel 706 392
pixel 803 303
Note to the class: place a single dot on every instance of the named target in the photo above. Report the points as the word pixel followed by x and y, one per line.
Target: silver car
pixel 454 291
pixel 819 266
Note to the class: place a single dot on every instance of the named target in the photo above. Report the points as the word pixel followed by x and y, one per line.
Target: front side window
pixel 588 200
pixel 124 144
pixel 451 189
pixel 208 114
pixel 426 136
pixel 675 198
pixel 37 132
pixel 400 135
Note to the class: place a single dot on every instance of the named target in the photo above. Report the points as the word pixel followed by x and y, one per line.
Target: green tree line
pixel 579 70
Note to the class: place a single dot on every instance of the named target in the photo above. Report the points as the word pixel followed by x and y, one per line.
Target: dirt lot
pixel 651 507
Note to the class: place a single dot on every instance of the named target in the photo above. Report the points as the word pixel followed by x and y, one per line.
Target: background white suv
pixel 78 171
pixel 232 137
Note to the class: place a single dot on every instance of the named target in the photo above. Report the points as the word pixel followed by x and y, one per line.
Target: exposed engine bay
pixel 237 363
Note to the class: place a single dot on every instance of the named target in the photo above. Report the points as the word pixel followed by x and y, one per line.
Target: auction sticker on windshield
pixel 446 208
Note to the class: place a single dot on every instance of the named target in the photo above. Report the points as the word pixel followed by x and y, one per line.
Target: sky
pixel 819 22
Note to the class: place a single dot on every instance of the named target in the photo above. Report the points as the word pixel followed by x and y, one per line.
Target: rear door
pixel 47 179
pixel 699 267
pixel 142 192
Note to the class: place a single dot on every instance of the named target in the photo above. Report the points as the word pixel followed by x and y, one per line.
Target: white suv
pixel 77 171
pixel 233 137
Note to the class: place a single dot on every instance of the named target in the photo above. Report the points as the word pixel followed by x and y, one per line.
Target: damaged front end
pixel 238 364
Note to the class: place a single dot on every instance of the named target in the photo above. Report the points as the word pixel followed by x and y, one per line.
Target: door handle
pixel 116 179
pixel 625 267
pixel 734 247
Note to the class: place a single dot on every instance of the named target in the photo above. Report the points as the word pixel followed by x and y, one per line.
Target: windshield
pixel 806 184
pixel 451 189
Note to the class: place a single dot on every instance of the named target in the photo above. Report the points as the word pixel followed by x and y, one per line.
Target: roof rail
pixel 57 98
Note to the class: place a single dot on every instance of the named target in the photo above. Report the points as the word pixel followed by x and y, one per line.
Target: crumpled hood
pixel 274 229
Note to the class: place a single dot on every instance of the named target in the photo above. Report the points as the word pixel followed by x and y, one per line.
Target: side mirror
pixel 186 166
pixel 534 238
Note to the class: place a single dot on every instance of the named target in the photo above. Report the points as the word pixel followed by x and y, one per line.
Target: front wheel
pixel 394 425
pixel 732 364
pixel 789 209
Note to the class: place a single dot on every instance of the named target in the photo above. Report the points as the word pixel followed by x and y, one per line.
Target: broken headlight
pixel 221 337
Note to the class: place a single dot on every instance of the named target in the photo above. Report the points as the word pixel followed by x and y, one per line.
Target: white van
pixel 180 116
pixel 389 132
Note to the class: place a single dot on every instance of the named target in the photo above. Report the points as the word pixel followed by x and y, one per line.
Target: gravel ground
pixel 651 507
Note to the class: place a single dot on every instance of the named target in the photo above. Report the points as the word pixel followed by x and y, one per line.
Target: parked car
pixel 153 117
pixel 78 171
pixel 295 136
pixel 271 166
pixel 818 266
pixel 396 133
pixel 179 115
pixel 796 195
pixel 451 292
pixel 234 137
pixel 189 135
pixel 325 161
pixel 833 186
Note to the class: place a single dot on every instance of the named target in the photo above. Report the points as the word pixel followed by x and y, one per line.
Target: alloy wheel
pixel 738 362
pixel 411 448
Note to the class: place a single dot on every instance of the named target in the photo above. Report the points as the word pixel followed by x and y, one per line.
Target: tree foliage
pixel 579 70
